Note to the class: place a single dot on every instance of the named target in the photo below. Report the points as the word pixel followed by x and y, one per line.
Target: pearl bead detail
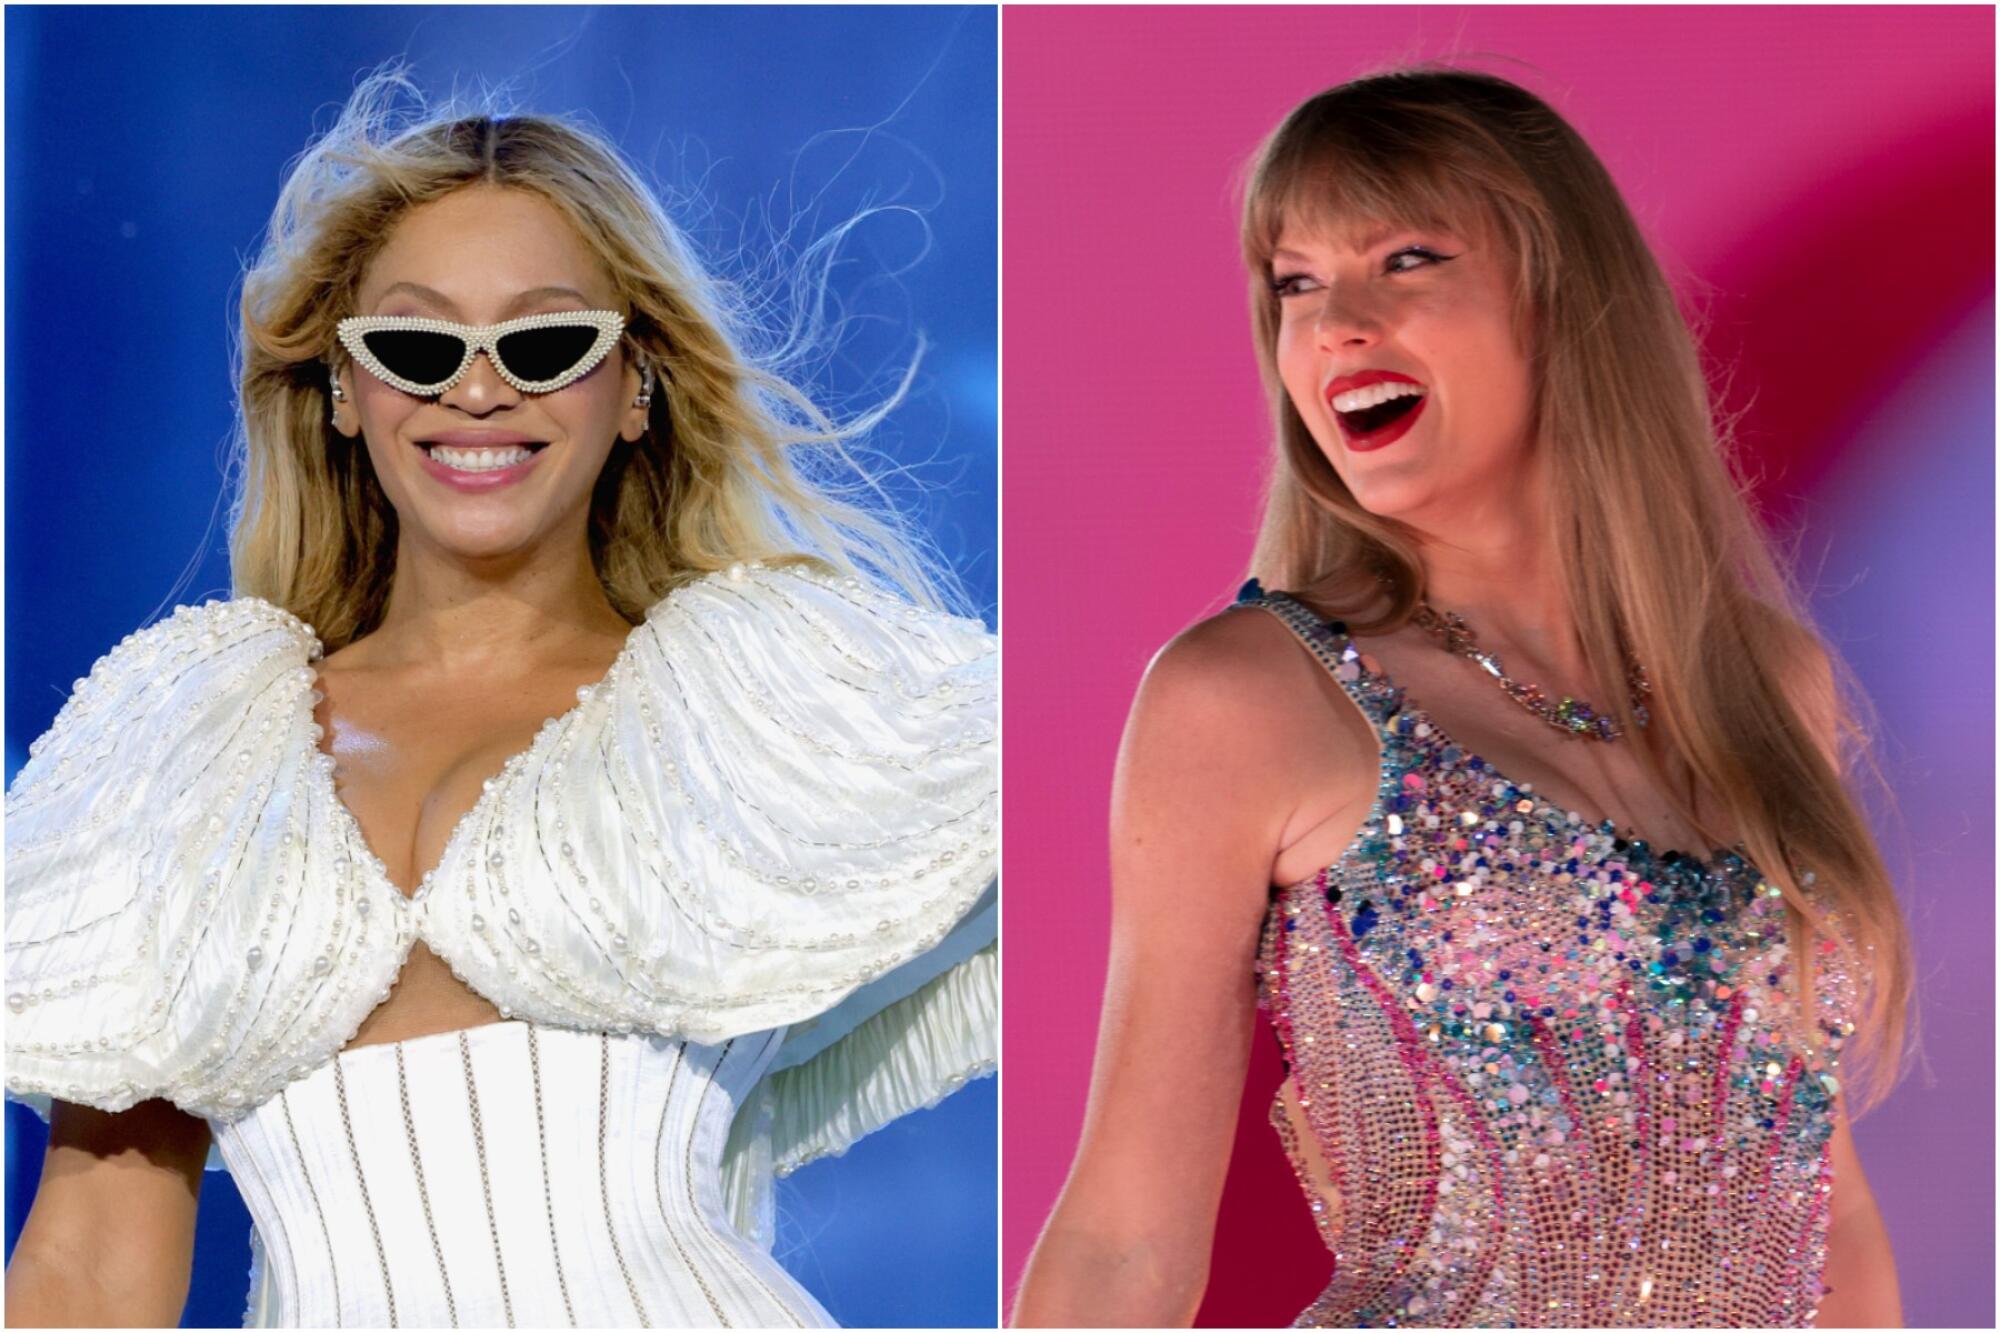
pixel 746 666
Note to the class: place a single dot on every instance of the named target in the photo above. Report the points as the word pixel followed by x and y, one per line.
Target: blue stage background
pixel 144 150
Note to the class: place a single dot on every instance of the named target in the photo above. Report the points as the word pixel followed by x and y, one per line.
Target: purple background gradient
pixel 1818 179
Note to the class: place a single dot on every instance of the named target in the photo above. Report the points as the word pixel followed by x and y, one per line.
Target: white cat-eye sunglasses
pixel 535 354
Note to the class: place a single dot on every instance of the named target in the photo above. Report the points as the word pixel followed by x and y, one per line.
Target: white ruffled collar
pixel 783 788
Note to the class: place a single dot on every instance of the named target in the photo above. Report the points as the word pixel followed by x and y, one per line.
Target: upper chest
pixel 1453 713
pixel 413 753
pixel 1396 711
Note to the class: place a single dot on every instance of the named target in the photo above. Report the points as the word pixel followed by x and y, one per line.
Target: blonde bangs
pixel 1340 187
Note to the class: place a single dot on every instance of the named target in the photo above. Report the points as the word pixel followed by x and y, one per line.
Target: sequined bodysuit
pixel 1538 1074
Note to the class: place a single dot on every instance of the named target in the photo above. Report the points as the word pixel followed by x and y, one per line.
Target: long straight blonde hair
pixel 1661 556
pixel 737 463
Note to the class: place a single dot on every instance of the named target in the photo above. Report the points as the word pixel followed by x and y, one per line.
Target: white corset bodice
pixel 767 838
pixel 508 1175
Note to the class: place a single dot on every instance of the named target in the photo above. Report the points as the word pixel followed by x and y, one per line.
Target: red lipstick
pixel 1381 437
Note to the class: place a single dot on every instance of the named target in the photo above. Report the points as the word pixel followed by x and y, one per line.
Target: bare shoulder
pixel 1241 756
pixel 1238 698
pixel 1241 662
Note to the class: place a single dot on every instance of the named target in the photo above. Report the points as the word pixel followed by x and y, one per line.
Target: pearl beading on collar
pixel 293 915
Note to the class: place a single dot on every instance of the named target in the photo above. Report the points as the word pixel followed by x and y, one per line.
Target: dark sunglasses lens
pixel 537 355
pixel 421 358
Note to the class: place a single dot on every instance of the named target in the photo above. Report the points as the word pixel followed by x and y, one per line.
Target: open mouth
pixel 1368 420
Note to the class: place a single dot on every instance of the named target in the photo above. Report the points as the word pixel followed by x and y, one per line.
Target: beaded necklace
pixel 1572 717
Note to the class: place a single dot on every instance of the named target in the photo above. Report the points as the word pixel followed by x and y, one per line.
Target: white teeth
pixel 1354 400
pixel 480 460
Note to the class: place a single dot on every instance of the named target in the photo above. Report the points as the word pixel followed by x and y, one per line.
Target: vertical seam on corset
pixel 603 1189
pixel 423 1195
pixel 548 1200
pixel 486 1190
pixel 659 1136
pixel 285 1104
pixel 688 1171
pixel 284 1237
pixel 388 1287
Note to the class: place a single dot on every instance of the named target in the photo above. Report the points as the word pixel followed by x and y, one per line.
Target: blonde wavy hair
pixel 1662 558
pixel 737 463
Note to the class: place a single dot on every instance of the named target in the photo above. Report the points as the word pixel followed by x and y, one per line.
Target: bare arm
pixel 110 1239
pixel 1860 1268
pixel 1200 802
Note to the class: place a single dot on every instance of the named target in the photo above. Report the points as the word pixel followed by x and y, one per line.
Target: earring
pixel 645 398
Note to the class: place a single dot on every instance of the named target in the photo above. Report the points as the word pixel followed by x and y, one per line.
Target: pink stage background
pixel 1821 179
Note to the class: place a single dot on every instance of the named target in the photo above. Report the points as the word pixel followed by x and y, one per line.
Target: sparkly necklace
pixel 1572 717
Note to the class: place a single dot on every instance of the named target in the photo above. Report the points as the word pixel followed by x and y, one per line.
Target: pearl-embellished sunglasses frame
pixel 353 333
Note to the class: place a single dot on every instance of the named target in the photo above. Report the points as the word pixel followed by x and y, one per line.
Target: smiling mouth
pixel 1371 419
pixel 484 458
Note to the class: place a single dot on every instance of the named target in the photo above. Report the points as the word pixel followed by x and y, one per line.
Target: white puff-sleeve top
pixel 771 827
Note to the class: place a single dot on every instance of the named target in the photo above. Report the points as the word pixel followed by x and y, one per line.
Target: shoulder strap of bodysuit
pixel 1315 630
pixel 1327 640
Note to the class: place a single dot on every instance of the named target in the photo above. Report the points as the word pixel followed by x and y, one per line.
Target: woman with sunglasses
pixel 575 819
pixel 1550 1060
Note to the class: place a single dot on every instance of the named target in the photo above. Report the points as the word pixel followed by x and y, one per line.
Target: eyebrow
pixel 1368 242
pixel 529 297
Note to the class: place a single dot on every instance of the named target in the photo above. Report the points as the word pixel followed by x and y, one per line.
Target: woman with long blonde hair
pixel 1521 808
pixel 582 813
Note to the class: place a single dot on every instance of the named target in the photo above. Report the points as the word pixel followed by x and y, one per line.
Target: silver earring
pixel 645 398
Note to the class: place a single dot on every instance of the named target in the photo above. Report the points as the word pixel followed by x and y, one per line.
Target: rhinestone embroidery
pixel 1553 1078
